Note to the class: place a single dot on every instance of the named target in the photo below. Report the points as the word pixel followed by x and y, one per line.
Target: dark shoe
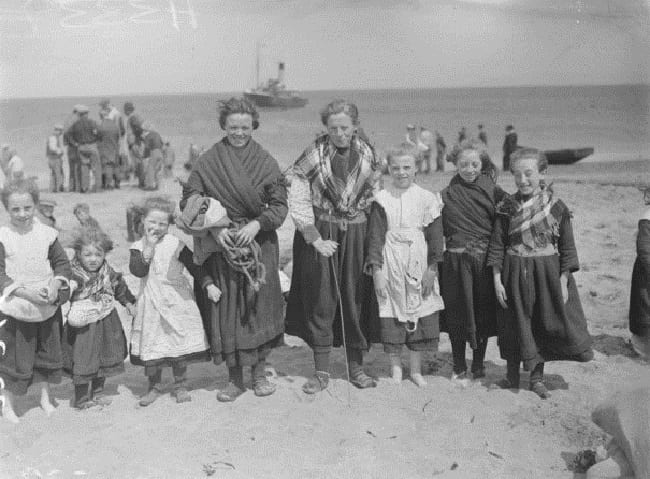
pixel 478 372
pixel 87 404
pixel 102 400
pixel 506 383
pixel 149 398
pixel 182 395
pixel 361 380
pixel 230 393
pixel 538 388
pixel 263 387
pixel 317 383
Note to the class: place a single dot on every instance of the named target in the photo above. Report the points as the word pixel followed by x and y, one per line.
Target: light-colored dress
pixel 405 253
pixel 167 323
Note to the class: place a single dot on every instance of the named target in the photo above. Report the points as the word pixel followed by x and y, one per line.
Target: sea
pixel 614 120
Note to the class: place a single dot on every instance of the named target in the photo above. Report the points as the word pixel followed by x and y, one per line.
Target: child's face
pixel 91 257
pixel 21 210
pixel 402 171
pixel 156 223
pixel 527 176
pixel 469 165
pixel 46 210
pixel 82 215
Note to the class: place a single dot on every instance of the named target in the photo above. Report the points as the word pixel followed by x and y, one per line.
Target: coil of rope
pixel 246 260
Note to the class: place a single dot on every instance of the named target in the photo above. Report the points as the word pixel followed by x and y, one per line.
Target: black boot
pixel 83 396
pixel 261 385
pixel 235 387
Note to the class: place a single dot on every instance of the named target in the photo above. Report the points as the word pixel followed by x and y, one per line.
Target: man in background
pixel 509 146
pixel 84 134
pixel 482 134
pixel 74 163
pixel 441 148
pixel 54 153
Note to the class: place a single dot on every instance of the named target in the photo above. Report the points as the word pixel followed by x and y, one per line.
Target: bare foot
pixel 10 415
pixel 48 407
pixel 7 403
pixel 396 374
pixel 418 379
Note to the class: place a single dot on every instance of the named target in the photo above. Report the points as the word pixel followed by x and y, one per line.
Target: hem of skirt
pixel 19 386
pixel 250 356
pixel 424 345
pixel 102 372
pixel 200 356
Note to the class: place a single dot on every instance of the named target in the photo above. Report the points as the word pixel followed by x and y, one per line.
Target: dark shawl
pixel 469 211
pixel 240 179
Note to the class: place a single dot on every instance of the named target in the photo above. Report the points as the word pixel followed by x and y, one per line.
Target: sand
pixel 397 431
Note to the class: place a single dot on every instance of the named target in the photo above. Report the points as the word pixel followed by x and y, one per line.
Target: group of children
pixel 37 278
pixel 471 261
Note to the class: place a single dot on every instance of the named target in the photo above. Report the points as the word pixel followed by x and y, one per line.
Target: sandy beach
pixel 441 430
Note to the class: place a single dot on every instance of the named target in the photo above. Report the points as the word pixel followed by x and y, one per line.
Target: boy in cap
pixel 54 153
pixel 45 212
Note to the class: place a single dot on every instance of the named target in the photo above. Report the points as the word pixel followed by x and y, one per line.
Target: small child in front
pixel 404 248
pixel 94 344
pixel 167 330
pixel 533 256
pixel 34 280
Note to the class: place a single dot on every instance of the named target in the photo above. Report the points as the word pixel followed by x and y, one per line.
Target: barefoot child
pixel 34 275
pixel 466 282
pixel 82 213
pixel 533 256
pixel 405 246
pixel 167 330
pixel 94 344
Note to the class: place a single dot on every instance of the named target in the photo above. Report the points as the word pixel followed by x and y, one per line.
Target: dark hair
pixel 472 144
pixel 533 153
pixel 81 207
pixel 340 106
pixel 128 108
pixel 158 203
pixel 237 106
pixel 85 236
pixel 22 185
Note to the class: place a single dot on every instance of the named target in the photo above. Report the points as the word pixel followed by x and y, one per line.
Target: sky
pixel 102 47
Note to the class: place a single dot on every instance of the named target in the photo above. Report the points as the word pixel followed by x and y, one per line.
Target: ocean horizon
pixel 613 119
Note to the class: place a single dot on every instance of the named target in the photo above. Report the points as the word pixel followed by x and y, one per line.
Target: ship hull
pixel 275 101
pixel 567 156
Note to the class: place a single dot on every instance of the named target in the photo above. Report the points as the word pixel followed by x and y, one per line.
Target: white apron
pixel 168 323
pixel 405 253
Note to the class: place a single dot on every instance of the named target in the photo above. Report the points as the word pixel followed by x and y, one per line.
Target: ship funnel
pixel 281 73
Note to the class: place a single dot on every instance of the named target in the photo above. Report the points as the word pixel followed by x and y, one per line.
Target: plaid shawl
pixel 92 285
pixel 344 199
pixel 535 222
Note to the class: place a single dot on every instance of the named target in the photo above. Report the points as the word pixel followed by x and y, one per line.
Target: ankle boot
pixel 261 385
pixel 82 396
pixel 317 383
pixel 235 387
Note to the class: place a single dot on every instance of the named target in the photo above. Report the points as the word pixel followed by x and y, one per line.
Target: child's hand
pixel 247 234
pixel 214 293
pixel 224 240
pixel 53 292
pixel 564 283
pixel 131 309
pixel 429 281
pixel 500 291
pixel 33 296
pixel 381 283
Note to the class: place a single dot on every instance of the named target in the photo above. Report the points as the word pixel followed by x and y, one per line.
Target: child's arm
pixel 495 255
pixel 60 264
pixel 435 246
pixel 200 274
pixel 567 251
pixel 121 290
pixel 138 266
pixel 377 228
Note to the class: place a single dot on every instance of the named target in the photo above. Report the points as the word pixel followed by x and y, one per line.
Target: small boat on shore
pixel 567 156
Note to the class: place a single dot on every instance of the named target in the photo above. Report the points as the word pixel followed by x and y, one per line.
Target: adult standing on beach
pixel 640 292
pixel 246 323
pixel 331 192
pixel 482 134
pixel 441 148
pixel 110 131
pixel 509 146
pixel 74 163
pixel 462 134
pixel 84 134
pixel 133 131
pixel 152 157
pixel 54 153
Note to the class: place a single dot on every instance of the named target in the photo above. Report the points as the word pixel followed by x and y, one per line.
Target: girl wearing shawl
pixel 533 256
pixel 94 344
pixel 466 282
pixel 640 291
pixel 246 324
pixel 330 197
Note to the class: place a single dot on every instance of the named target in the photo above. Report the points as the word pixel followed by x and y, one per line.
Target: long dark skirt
pixel 640 300
pixel 467 288
pixel 33 352
pixel 313 311
pixel 95 350
pixel 538 325
pixel 394 334
pixel 244 326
